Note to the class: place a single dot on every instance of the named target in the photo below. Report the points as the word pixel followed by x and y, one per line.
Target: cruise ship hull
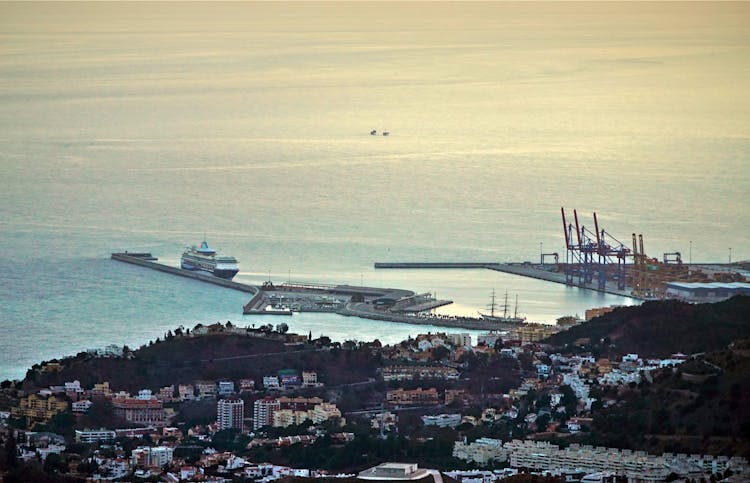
pixel 218 272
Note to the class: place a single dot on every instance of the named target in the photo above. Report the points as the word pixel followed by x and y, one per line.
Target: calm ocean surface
pixel 142 126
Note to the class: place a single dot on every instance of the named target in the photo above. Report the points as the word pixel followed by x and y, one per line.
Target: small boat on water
pixel 505 318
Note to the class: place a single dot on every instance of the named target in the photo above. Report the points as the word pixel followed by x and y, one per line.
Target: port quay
pixel 400 305
pixel 385 304
pixel 523 269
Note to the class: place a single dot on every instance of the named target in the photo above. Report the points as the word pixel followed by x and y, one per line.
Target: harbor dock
pixel 386 304
pixel 533 271
pixel 523 269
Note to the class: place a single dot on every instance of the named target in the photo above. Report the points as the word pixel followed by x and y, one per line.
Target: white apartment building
pixel 154 457
pixel 263 410
pixel 226 388
pixel 230 413
pixel 92 435
pixel 442 420
pixel 461 340
pixel 481 451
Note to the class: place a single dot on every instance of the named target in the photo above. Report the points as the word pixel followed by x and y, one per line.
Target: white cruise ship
pixel 205 259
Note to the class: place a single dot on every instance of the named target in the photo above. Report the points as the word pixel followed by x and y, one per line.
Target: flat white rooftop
pixel 710 285
pixel 394 471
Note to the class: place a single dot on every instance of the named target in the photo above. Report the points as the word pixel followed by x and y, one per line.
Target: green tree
pixel 439 353
pixel 55 463
pixel 11 451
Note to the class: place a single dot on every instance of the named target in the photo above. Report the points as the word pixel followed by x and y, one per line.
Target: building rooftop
pixel 710 285
pixel 394 472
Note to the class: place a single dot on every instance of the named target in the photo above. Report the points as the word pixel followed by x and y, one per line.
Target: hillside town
pixel 485 409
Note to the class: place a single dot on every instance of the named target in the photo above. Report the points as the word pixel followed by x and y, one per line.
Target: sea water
pixel 153 126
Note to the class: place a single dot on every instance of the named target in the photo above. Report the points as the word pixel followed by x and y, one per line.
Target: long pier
pixel 148 262
pixel 409 265
pixel 522 269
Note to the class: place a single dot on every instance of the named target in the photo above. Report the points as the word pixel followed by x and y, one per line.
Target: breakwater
pixel 148 262
pixel 408 265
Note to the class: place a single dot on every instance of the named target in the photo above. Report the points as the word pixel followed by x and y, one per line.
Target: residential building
pixel 460 340
pixel 452 395
pixel 408 373
pixel 230 413
pixel 101 389
pixel 93 435
pixel 489 339
pixel 263 410
pixel 287 417
pixel 416 397
pixel 140 411
pixel 271 382
pixel 324 412
pixel 481 451
pixel 299 403
pixel 151 457
pixel 81 406
pixel 226 388
pixel 387 420
pixel 166 394
pixel 73 389
pixel 246 385
pixel 541 455
pixel 186 392
pixel 206 389
pixel 599 311
pixel 310 379
pixel 442 420
pixel 39 409
pixel 289 378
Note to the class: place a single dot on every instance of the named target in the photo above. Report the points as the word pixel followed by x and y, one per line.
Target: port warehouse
pixel 707 291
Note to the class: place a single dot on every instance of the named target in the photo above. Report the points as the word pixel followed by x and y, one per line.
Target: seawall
pixel 136 260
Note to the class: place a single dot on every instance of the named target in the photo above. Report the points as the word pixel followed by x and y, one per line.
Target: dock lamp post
pixel 730 254
pixel 690 257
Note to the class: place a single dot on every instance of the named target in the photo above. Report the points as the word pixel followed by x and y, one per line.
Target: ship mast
pixel 505 306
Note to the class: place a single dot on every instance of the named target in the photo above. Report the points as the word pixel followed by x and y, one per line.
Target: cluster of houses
pixel 554 396
pixel 146 408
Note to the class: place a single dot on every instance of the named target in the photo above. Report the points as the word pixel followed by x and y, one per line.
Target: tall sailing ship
pixel 505 318
pixel 205 259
